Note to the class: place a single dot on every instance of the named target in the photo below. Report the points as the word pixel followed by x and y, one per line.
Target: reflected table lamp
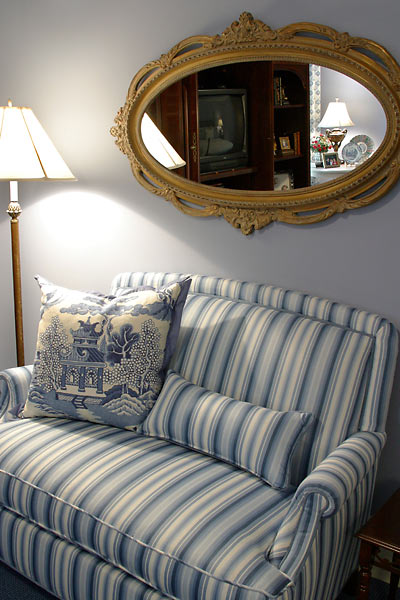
pixel 158 145
pixel 26 153
pixel 335 118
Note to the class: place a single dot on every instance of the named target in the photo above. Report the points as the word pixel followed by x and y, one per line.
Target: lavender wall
pixel 72 63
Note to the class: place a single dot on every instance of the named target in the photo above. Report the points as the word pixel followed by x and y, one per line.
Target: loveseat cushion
pixel 285 350
pixel 256 439
pixel 280 360
pixel 63 569
pixel 173 333
pixel 183 522
pixel 101 358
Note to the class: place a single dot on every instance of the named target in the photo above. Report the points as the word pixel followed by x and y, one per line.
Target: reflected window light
pixel 158 145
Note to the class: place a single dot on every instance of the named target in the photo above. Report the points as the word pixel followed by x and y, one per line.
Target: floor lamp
pixel 26 153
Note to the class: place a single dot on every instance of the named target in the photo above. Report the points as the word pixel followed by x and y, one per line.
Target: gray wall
pixel 72 63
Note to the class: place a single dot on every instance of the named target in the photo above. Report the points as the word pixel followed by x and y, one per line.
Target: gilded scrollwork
pixel 166 60
pixel 248 220
pixel 206 211
pixel 119 130
pixel 245 29
pixel 343 41
pixel 395 80
pixel 249 39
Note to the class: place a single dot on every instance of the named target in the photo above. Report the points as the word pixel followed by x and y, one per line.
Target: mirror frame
pixel 249 39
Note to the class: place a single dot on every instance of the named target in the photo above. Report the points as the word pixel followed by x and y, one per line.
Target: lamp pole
pixel 14 210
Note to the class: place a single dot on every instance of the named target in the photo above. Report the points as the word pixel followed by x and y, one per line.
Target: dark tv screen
pixel 222 129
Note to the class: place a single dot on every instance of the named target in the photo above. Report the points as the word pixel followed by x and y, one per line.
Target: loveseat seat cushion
pixel 185 523
pixel 61 568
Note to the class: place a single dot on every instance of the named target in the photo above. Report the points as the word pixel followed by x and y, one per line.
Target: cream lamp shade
pixel 158 145
pixel 336 115
pixel 26 151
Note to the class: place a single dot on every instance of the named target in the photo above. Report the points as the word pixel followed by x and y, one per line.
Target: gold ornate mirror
pixel 235 175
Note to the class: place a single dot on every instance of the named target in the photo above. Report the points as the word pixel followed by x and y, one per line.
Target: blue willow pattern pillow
pixel 176 316
pixel 254 438
pixel 101 358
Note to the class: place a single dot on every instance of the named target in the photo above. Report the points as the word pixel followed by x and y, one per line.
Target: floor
pixel 16 587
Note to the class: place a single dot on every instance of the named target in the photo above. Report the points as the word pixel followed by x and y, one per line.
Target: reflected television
pixel 222 129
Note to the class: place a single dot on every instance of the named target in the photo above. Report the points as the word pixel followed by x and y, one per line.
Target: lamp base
pixel 336 136
pixel 14 210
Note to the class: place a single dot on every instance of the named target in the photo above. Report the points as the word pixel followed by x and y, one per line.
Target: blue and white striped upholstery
pixel 157 510
pixel 285 350
pixel 331 484
pixel 14 387
pixel 126 516
pixel 257 439
pixel 64 569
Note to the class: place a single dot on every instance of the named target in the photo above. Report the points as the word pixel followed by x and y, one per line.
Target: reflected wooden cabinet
pixel 292 121
pixel 275 124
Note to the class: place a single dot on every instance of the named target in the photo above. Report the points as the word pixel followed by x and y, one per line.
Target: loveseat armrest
pixel 340 473
pixel 14 386
pixel 321 495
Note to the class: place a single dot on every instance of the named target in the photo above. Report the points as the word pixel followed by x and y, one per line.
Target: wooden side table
pixel 381 531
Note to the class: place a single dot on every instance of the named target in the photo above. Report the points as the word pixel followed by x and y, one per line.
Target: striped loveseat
pixel 94 512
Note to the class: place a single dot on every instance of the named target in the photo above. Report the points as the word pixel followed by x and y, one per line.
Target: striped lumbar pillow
pixel 256 439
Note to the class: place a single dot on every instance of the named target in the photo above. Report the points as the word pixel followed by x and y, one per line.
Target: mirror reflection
pixel 264 125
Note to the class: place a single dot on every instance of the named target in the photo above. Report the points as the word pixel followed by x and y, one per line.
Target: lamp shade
pixel 26 151
pixel 336 115
pixel 158 145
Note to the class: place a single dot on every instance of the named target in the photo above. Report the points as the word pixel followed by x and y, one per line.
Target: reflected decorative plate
pixel 365 143
pixel 351 153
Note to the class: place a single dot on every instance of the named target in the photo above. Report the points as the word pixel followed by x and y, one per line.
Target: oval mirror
pixel 258 125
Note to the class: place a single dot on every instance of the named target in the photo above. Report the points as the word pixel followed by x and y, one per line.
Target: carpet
pixel 15 587
pixel 378 591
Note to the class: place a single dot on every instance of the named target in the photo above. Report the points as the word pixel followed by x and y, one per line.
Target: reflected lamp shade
pixel 336 115
pixel 158 145
pixel 26 151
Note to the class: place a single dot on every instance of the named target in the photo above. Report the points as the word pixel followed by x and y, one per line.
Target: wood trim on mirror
pixel 247 40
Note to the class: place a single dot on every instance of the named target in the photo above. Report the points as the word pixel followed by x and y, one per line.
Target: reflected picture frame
pixel 283 181
pixel 284 143
pixel 330 160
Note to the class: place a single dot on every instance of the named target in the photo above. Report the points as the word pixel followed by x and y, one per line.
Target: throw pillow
pixel 101 358
pixel 254 438
pixel 173 333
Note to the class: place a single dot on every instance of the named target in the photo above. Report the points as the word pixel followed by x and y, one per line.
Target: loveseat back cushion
pixel 278 360
pixel 256 439
pixel 288 351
